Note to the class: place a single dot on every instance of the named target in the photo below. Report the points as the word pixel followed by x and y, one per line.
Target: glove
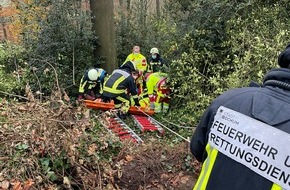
pixel 89 97
pixel 80 97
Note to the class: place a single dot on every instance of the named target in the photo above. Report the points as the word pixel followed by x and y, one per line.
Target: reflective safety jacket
pixel 153 82
pixel 269 104
pixel 121 81
pixel 86 84
pixel 139 60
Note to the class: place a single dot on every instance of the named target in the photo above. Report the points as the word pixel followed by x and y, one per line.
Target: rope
pixel 163 125
pixel 180 126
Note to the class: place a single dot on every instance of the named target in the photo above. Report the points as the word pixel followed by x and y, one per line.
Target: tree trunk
pixel 103 27
pixel 158 8
pixel 128 12
pixel 144 9
pixel 4 31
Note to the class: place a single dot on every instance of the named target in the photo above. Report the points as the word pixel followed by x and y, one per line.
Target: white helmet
pixel 154 51
pixel 93 74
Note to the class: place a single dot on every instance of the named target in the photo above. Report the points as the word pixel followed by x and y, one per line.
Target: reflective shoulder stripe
pixel 119 71
pixel 117 82
pixel 206 168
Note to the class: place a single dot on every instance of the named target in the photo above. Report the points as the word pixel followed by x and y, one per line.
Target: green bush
pixel 11 67
pixel 61 47
pixel 223 49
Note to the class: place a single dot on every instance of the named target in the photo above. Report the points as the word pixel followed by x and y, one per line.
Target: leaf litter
pixel 54 145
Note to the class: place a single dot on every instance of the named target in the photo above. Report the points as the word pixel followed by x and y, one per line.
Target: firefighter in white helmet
pixel 91 85
pixel 156 62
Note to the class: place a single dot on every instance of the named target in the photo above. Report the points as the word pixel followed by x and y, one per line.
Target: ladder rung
pixel 126 137
pixel 123 132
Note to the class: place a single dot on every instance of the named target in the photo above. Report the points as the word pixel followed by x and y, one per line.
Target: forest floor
pixel 54 145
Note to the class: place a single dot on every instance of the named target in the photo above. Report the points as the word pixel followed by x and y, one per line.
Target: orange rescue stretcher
pixel 98 104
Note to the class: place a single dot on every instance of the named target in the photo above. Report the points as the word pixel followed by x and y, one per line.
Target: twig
pixel 73 62
pixel 39 84
pixel 36 119
pixel 55 72
pixel 16 67
pixel 18 96
pixel 100 178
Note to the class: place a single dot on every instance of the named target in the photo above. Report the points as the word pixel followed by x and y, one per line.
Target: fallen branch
pixel 18 96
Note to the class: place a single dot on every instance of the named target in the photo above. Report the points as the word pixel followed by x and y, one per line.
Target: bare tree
pixel 158 8
pixel 103 27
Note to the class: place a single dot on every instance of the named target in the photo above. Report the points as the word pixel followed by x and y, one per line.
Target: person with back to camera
pixel 243 136
pixel 121 88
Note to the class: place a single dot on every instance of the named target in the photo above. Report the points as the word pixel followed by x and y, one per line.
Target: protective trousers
pixel 122 102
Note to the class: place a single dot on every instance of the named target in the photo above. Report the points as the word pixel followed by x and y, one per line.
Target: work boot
pixel 122 115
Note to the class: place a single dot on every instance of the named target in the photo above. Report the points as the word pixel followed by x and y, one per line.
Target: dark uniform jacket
pixel 120 82
pixel 269 104
pixel 156 65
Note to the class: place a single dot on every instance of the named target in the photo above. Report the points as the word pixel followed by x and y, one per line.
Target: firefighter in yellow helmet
pixel 158 92
pixel 121 87
pixel 155 62
pixel 91 84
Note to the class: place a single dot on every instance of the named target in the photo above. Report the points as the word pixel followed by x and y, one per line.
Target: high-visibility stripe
pixel 101 88
pixel 206 168
pixel 162 79
pixel 114 91
pixel 118 105
pixel 159 96
pixel 155 63
pixel 276 187
pixel 123 99
pixel 125 107
pixel 91 86
pixel 117 82
pixel 135 96
pixel 82 86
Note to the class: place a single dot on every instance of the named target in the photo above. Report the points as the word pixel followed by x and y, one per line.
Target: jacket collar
pixel 280 74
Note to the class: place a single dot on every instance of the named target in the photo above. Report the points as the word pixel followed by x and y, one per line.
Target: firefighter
pixel 156 62
pixel 158 92
pixel 121 87
pixel 91 84
pixel 241 137
pixel 141 64
pixel 138 59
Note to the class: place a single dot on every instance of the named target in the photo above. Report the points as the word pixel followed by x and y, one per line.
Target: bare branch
pixel 18 96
